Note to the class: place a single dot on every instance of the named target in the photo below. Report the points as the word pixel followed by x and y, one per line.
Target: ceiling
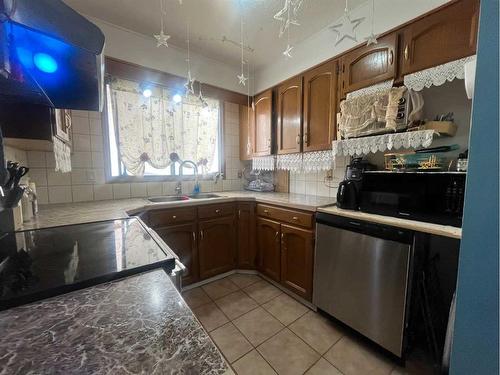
pixel 211 21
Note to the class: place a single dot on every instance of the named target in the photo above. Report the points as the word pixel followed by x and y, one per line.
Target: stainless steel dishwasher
pixel 361 277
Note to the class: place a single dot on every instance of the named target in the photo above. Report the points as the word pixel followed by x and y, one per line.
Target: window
pixel 147 124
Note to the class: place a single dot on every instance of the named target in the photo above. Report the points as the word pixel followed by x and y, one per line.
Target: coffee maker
pixel 348 192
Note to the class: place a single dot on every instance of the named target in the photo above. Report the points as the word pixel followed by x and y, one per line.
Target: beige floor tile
pixel 285 308
pixel 236 304
pixel 317 331
pixel 231 342
pixel 243 279
pixel 262 291
pixel 353 357
pixel 288 354
pixel 220 288
pixel 210 316
pixel 323 367
pixel 253 364
pixel 258 325
pixel 196 297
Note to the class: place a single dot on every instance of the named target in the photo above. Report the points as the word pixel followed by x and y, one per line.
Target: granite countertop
pixel 418 226
pixel 74 213
pixel 136 325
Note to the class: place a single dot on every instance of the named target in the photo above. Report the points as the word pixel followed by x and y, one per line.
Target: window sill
pixel 132 179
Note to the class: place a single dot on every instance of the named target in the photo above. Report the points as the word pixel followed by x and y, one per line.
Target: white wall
pixel 321 46
pixel 140 49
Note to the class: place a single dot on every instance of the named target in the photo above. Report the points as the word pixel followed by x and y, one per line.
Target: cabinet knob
pixel 201 234
pixel 306 138
pixel 217 211
pixel 295 218
pixel 174 217
pixel 266 211
pixel 276 237
pixel 297 139
pixel 407 52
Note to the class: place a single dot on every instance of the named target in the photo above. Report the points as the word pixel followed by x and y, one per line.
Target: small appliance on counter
pixel 260 181
pixel 347 194
pixel 434 197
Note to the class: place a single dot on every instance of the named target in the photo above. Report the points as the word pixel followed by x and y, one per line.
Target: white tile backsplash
pixel 81 159
pixel 82 193
pixel 95 126
pixel 103 192
pixel 80 125
pixel 36 159
pixel 138 189
pixel 42 194
pixel 38 176
pixel 57 178
pixel 96 143
pixel 121 191
pixel 81 142
pixel 60 194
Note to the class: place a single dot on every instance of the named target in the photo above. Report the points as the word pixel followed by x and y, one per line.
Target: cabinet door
pixel 247 126
pixel 246 236
pixel 263 113
pixel 441 37
pixel 182 240
pixel 217 246
pixel 297 249
pixel 290 116
pixel 269 249
pixel 320 99
pixel 371 64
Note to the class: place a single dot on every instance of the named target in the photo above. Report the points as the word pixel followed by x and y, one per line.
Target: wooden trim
pixel 138 73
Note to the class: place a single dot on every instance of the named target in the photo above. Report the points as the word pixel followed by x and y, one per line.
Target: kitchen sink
pixel 180 198
pixel 204 196
pixel 169 198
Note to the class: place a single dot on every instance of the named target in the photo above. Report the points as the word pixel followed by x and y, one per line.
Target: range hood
pixel 50 55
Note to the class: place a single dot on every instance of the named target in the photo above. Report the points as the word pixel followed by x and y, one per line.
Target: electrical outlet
pixel 329 175
pixel 91 176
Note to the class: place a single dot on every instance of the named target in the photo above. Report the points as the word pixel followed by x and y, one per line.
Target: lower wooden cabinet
pixel 286 254
pixel 269 248
pixel 297 252
pixel 217 246
pixel 247 253
pixel 182 240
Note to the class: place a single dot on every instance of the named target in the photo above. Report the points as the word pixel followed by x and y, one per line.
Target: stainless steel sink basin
pixel 204 196
pixel 169 198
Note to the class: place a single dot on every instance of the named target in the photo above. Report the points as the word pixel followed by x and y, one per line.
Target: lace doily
pixel 437 75
pixel 62 154
pixel 379 88
pixel 290 162
pixel 317 161
pixel 264 163
pixel 366 145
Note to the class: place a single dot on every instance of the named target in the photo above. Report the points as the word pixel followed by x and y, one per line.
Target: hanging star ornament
pixel 161 39
pixel 346 29
pixel 371 39
pixel 189 84
pixel 242 79
pixel 287 53
pixel 288 15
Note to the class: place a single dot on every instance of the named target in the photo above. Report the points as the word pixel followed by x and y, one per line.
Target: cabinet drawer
pixel 171 216
pixel 300 218
pixel 215 210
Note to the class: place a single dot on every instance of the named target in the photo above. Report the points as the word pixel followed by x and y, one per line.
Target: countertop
pixel 74 213
pixel 418 226
pixel 136 325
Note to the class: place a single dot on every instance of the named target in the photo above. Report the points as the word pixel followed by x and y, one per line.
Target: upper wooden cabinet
pixel 247 126
pixel 290 116
pixel 371 64
pixel 263 114
pixel 441 37
pixel 320 106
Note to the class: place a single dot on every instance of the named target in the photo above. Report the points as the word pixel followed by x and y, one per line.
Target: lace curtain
pixel 149 129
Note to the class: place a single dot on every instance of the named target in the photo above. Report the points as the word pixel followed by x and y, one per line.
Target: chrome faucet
pixel 178 188
pixel 195 169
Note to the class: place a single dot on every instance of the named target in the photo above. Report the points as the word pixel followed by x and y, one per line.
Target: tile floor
pixel 261 330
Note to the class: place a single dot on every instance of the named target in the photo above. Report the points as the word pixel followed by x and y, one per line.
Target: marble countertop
pixel 136 325
pixel 418 226
pixel 74 213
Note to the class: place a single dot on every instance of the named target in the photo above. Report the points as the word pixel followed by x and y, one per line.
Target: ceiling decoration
pixel 372 38
pixel 161 38
pixel 241 77
pixel 288 16
pixel 190 80
pixel 347 28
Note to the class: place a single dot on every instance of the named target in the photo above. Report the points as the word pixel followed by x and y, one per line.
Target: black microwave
pixel 435 197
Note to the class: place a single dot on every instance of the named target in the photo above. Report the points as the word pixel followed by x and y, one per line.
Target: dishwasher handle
pixel 385 232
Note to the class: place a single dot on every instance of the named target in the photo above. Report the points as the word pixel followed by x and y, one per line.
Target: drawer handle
pixel 266 211
pixel 391 57
pixel 217 211
pixel 201 234
pixel 194 236
pixel 297 139
pixel 276 237
pixel 407 52
pixel 174 217
pixel 295 218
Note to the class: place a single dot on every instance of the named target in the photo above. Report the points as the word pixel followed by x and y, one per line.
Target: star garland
pixel 288 16
pixel 190 80
pixel 372 38
pixel 162 38
pixel 241 77
pixel 346 29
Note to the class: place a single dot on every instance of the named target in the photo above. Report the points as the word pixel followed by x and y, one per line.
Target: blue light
pixel 177 98
pixel 45 62
pixel 147 93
